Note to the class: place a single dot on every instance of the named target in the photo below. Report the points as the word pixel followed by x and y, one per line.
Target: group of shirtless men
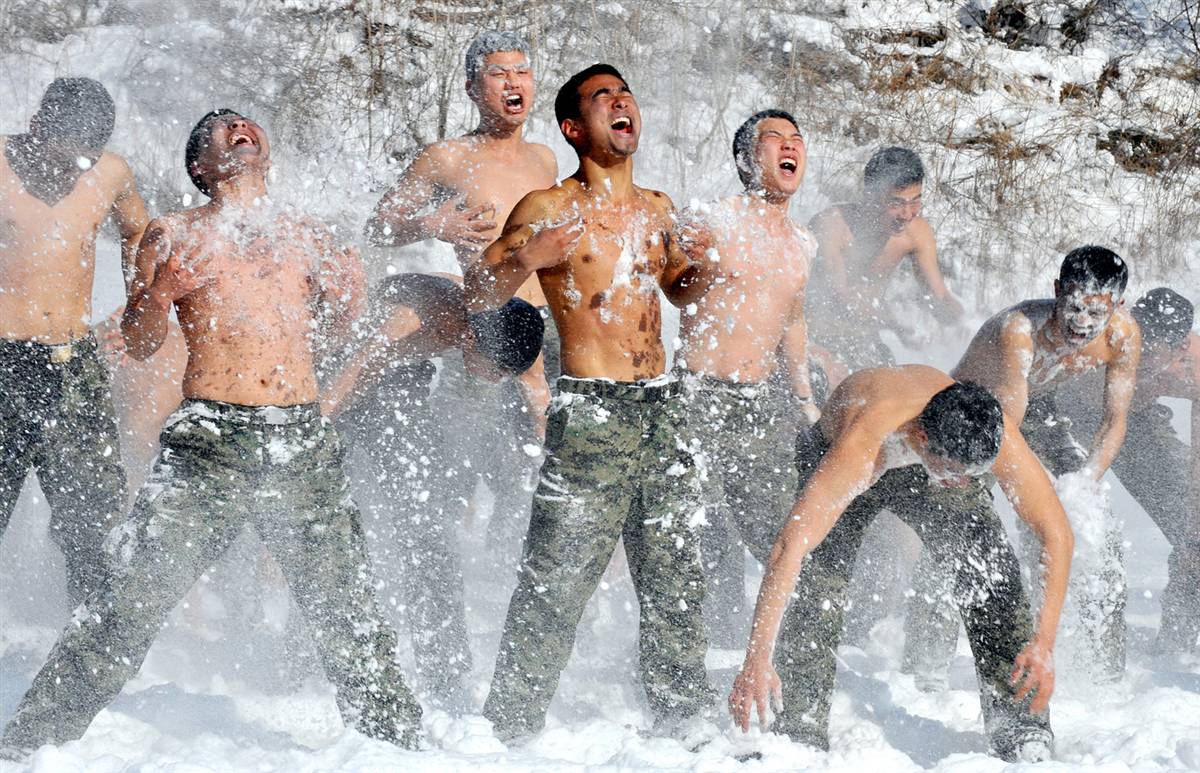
pixel 756 437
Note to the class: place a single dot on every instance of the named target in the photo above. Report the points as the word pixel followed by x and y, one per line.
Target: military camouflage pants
pixel 1154 465
pixel 957 526
pixel 485 428
pixel 746 438
pixel 1097 585
pixel 56 417
pixel 223 467
pixel 397 441
pixel 615 469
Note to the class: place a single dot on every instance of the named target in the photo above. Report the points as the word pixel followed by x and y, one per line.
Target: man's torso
pixel 734 330
pixel 47 254
pixel 604 296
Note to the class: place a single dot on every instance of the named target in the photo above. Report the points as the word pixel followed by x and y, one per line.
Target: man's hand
pixel 757 686
pixel 471 228
pixel 1033 671
pixel 549 246
pixel 179 277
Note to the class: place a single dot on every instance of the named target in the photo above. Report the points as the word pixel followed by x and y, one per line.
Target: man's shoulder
pixel 918 231
pixel 829 221
pixel 658 201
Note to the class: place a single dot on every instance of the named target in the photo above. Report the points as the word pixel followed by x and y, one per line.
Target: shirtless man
pixel 57 187
pixel 915 441
pixel 252 286
pixel 459 191
pixel 755 260
pixel 380 396
pixel 615 467
pixel 1023 354
pixel 1154 464
pixel 860 246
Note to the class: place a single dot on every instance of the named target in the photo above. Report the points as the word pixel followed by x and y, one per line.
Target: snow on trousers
pixel 57 418
pixel 1097 584
pixel 746 446
pixel 961 530
pixel 397 441
pixel 222 468
pixel 616 468
pixel 1154 466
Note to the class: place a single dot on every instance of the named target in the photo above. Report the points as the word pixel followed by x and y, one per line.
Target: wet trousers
pixel 616 468
pixel 1097 586
pixel 961 529
pixel 57 418
pixel 223 467
pixel 397 446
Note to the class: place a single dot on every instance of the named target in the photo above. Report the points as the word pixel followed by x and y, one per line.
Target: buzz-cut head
pixel 492 42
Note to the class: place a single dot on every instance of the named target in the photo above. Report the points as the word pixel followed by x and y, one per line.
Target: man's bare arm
pixel 129 214
pixel 692 266
pixel 527 244
pixel 1028 488
pixel 1120 379
pixel 366 366
pixel 795 351
pixel 843 474
pixel 1011 382
pixel 947 306
pixel 144 323
pixel 341 281
pixel 400 217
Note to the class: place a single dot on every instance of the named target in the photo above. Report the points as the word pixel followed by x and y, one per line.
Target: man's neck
pixel 499 136
pixel 243 191
pixel 612 180
pixel 776 204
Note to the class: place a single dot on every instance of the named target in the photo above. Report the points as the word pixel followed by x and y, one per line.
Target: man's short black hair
pixel 892 168
pixel 196 143
pixel 746 137
pixel 1095 269
pixel 568 102
pixel 1165 316
pixel 964 423
pixel 510 336
pixel 75 111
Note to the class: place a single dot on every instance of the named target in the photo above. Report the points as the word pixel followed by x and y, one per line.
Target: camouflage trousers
pixel 746 439
pixel 222 468
pixel 1153 465
pixel 1097 585
pixel 962 530
pixel 615 469
pixel 399 467
pixel 485 428
pixel 57 418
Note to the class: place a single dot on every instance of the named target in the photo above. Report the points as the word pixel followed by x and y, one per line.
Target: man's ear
pixel 571 130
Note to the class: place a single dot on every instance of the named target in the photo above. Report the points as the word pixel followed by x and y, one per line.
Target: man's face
pixel 780 156
pixel 899 206
pixel 609 122
pixel 948 473
pixel 1081 315
pixel 236 144
pixel 503 90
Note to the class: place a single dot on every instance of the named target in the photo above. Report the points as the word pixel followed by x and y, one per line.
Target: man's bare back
pixel 732 332
pixel 48 250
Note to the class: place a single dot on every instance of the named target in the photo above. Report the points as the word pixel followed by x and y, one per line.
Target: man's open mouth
pixel 240 138
pixel 623 125
pixel 788 165
pixel 514 102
